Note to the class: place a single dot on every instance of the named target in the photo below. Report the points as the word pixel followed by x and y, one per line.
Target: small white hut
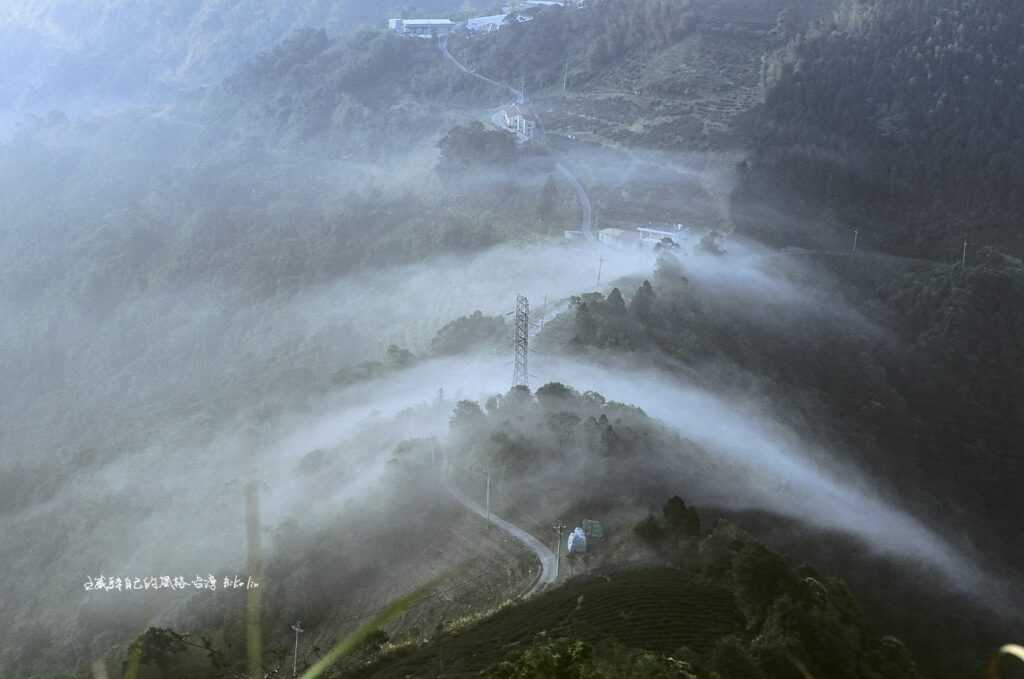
pixel 577 541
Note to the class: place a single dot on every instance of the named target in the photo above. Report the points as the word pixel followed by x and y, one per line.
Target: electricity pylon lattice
pixel 522 342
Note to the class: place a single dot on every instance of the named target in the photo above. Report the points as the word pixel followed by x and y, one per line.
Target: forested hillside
pixel 370 94
pixel 101 50
pixel 908 111
pixel 922 391
pixel 928 391
pixel 591 39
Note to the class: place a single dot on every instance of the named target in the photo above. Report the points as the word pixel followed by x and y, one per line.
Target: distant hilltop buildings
pixel 422 28
pixel 526 4
pixel 429 28
pixel 494 22
pixel 650 236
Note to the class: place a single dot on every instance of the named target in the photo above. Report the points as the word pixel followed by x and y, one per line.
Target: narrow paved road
pixel 543 554
pixel 443 44
pixel 586 209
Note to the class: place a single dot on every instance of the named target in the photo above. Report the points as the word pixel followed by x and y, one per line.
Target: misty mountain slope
pixel 745 468
pixel 916 381
pixel 315 487
pixel 334 577
pixel 665 622
pixel 225 379
pixel 299 276
pixel 260 169
pixel 116 227
pixel 889 399
pixel 758 445
pixel 74 53
pixel 541 442
pixel 367 93
pixel 900 116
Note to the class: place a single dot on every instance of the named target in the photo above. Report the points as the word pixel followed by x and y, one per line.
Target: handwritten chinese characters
pixel 210 583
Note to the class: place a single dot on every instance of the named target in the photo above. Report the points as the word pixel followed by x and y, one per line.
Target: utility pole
pixel 253 597
pixel 520 377
pixel 565 75
pixel 963 257
pixel 544 313
pixel 856 233
pixel 600 264
pixel 488 495
pixel 560 526
pixel 295 658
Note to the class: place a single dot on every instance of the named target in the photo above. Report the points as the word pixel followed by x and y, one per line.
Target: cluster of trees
pixel 677 520
pixel 557 658
pixel 395 358
pixel 479 166
pixel 466 333
pixel 608 322
pixel 554 437
pixel 472 146
pixel 906 109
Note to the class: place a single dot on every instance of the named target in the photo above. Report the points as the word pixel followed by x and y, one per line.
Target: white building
pixel 487 24
pixel 552 3
pixel 650 236
pixel 494 22
pixel 422 28
pixel 577 542
pixel 519 120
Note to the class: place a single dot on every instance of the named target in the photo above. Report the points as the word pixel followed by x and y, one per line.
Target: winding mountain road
pixel 540 550
pixel 586 209
pixel 443 44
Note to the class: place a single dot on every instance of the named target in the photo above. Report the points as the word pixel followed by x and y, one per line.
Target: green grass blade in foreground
pixel 1008 651
pixel 353 640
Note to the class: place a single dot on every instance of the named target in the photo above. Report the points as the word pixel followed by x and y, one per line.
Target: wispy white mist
pixel 173 499
pixel 777 471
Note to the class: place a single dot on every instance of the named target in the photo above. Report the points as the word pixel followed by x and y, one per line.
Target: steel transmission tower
pixel 522 342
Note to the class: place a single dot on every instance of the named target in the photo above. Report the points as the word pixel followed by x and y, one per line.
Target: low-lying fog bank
pixel 169 498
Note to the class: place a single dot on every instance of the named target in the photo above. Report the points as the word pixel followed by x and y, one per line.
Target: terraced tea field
pixel 655 609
